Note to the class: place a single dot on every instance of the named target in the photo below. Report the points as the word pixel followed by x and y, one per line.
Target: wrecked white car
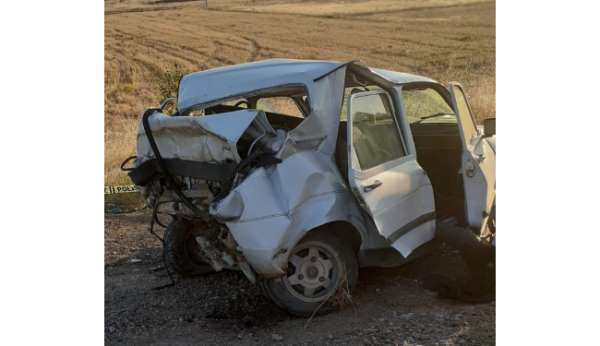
pixel 299 172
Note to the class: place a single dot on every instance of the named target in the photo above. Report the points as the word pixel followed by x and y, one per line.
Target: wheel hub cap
pixel 311 273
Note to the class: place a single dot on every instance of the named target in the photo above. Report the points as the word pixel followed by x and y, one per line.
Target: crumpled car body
pixel 377 157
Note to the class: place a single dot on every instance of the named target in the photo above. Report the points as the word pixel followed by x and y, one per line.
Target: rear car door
pixel 478 162
pixel 385 178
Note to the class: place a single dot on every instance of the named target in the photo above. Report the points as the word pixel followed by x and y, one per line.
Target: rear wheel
pixel 182 254
pixel 320 267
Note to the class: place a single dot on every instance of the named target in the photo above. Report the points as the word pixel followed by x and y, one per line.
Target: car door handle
pixel 373 186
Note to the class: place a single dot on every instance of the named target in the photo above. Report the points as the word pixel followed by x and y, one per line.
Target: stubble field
pixel 443 39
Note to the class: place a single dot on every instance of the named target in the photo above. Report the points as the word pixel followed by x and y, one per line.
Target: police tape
pixel 109 190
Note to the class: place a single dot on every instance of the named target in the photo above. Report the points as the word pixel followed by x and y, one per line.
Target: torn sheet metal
pixel 319 130
pixel 210 138
pixel 275 206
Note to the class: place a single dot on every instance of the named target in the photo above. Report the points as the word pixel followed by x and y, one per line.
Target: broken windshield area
pixel 426 105
pixel 287 100
pixel 283 107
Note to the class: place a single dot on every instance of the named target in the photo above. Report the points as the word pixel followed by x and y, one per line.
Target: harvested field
pixel 446 40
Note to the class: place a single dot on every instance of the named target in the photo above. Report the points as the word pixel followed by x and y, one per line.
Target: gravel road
pixel 388 307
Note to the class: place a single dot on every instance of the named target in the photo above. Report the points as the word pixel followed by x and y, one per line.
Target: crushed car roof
pixel 204 86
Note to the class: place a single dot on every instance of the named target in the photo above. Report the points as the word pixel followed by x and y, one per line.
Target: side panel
pixel 403 208
pixel 396 193
pixel 480 182
pixel 478 164
pixel 281 203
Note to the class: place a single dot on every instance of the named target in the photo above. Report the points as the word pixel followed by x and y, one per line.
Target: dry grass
pixel 482 98
pixel 445 42
pixel 327 8
pixel 119 143
pixel 333 8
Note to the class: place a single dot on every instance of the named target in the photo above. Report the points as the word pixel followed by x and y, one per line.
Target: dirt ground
pixel 389 306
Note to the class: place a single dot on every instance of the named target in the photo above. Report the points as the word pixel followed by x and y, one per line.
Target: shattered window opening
pixel 284 105
pixel 295 91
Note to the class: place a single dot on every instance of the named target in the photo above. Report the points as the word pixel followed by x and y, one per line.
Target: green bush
pixel 168 80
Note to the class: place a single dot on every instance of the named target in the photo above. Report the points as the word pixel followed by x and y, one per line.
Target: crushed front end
pixel 198 164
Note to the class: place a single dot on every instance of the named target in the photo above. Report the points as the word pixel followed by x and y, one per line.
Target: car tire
pixel 320 268
pixel 180 250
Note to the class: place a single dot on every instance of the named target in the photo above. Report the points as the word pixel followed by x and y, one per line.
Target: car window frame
pixel 250 94
pixel 406 155
pixel 303 115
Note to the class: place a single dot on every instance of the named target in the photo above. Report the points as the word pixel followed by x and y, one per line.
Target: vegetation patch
pixel 168 80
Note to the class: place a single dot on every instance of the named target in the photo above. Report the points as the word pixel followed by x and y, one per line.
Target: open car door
pixel 385 178
pixel 478 163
